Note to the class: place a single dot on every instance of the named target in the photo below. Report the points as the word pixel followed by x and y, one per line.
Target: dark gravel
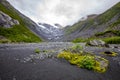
pixel 20 62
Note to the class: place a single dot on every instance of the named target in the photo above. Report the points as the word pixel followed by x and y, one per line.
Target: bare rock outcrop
pixel 6 21
pixel 97 43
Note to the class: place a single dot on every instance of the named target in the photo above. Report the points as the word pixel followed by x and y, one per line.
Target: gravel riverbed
pixel 20 62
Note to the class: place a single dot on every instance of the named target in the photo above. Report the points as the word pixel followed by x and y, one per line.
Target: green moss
pixel 18 33
pixel 87 61
pixel 108 53
pixel 45 51
pixel 37 50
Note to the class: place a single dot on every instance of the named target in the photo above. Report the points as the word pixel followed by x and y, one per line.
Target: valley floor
pixel 20 62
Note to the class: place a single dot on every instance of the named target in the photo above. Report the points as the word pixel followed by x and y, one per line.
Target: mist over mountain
pixel 64 12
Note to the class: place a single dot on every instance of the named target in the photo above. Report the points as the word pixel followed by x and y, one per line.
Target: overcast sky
pixel 64 12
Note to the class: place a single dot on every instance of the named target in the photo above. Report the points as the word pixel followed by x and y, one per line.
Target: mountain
pixel 105 26
pixel 51 32
pixel 15 27
pixel 58 25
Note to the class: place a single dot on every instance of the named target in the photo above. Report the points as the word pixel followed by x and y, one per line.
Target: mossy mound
pixel 87 61
pixel 37 50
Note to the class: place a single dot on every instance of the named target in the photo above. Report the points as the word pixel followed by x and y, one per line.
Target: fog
pixel 64 12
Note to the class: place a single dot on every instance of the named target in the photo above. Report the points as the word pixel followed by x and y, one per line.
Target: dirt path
pixel 20 62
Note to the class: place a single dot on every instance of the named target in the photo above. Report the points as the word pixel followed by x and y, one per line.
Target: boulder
pixel 97 43
pixel 6 21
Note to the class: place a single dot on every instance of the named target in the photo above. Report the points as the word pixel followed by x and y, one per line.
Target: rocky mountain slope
pixel 51 32
pixel 105 25
pixel 15 27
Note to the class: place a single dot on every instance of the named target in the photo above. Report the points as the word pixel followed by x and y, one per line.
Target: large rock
pixel 6 21
pixel 97 43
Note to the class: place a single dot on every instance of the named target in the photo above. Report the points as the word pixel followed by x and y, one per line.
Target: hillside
pixel 25 31
pixel 105 25
pixel 15 27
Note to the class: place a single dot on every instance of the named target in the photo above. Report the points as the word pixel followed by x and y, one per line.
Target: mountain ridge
pixel 109 20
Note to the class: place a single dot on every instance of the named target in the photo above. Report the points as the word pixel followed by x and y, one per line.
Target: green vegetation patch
pixel 110 53
pixel 18 33
pixel 76 56
pixel 87 61
pixel 37 50
pixel 77 40
pixel 108 40
pixel 81 25
pixel 115 32
pixel 112 40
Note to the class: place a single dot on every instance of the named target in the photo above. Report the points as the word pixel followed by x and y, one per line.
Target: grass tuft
pixel 37 50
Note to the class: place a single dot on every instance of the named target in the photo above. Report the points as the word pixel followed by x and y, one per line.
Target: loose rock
pixel 97 43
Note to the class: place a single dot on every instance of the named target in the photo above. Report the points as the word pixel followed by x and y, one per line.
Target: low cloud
pixel 64 12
